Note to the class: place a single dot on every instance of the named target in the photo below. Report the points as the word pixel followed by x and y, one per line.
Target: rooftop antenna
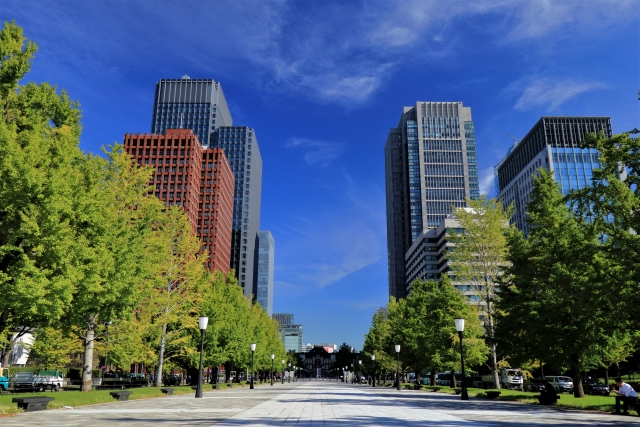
pixel 514 138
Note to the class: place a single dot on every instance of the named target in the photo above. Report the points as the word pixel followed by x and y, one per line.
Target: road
pixel 316 404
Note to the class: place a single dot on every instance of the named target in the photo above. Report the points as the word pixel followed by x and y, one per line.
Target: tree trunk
pixel 163 339
pixel 574 369
pixel 432 379
pixel 494 357
pixel 541 371
pixel 453 379
pixel 617 369
pixel 89 341
pixel 606 376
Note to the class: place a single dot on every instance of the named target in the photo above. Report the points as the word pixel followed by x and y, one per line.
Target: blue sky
pixel 321 83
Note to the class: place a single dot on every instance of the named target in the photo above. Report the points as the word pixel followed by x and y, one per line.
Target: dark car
pixel 534 384
pixel 594 386
pixel 172 380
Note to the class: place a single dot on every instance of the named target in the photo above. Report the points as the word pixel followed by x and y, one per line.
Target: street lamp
pixel 460 328
pixel 289 373
pixel 398 366
pixel 282 371
pixel 202 322
pixel 273 356
pixel 373 359
pixel 253 351
pixel 353 376
pixel 360 370
pixel 352 367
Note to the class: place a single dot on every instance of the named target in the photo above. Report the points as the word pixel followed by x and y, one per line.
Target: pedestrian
pixel 625 394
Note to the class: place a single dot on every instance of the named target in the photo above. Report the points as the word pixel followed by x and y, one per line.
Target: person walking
pixel 625 394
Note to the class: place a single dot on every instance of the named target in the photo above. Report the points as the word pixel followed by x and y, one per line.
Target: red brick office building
pixel 195 178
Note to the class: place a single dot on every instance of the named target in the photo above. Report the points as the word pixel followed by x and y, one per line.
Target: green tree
pixel 112 244
pixel 478 257
pixel 176 291
pixel 52 348
pixel 556 304
pixel 612 205
pixel 423 324
pixel 39 133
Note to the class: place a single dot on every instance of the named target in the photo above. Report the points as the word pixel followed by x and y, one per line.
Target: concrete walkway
pixel 315 404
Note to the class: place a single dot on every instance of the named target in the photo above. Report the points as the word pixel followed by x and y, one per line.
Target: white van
pixel 560 383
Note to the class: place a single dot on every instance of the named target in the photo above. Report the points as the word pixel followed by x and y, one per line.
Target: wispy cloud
pixel 316 152
pixel 549 92
pixel 330 52
pixel 331 243
pixel 486 181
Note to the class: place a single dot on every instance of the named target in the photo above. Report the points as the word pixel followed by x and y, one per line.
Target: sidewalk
pixel 315 404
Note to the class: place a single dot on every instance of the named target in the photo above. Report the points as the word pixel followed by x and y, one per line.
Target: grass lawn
pixel 76 398
pixel 590 403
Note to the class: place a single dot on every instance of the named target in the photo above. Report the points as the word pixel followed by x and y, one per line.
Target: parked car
pixel 534 384
pixel 560 383
pixel 23 381
pixel 595 386
pixel 4 379
pixel 172 379
pixel 48 380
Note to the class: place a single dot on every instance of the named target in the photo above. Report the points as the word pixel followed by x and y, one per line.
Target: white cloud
pixel 315 151
pixel 331 243
pixel 486 181
pixel 340 52
pixel 549 92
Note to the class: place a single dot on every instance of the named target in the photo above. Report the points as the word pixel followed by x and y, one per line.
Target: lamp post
pixel 289 373
pixel 359 370
pixel 353 376
pixel 398 366
pixel 282 371
pixel 202 322
pixel 253 351
pixel 273 356
pixel 352 365
pixel 460 327
pixel 373 359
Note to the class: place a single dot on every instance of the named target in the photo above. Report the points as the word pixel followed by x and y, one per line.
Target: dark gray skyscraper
pixel 554 143
pixel 196 104
pixel 264 286
pixel 241 148
pixel 200 105
pixel 430 166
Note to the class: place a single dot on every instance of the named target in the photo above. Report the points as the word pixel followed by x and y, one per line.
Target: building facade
pixel 554 143
pixel 264 284
pixel 196 104
pixel 430 167
pixel 241 148
pixel 290 333
pixel 197 179
pixel 200 105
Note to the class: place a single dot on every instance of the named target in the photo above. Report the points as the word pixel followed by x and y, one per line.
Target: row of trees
pixel 88 259
pixel 564 295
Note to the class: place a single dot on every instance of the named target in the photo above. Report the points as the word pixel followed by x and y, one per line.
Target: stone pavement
pixel 316 404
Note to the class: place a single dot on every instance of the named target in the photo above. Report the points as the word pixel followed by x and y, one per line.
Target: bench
pixel 120 395
pixel 30 404
pixel 548 400
pixel 167 390
pixel 493 394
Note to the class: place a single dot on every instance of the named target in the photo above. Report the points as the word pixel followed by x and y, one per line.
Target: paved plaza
pixel 315 404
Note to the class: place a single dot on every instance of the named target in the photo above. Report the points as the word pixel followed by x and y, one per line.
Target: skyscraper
pixel 195 178
pixel 200 105
pixel 291 333
pixel 241 147
pixel 264 287
pixel 430 167
pixel 554 143
pixel 196 104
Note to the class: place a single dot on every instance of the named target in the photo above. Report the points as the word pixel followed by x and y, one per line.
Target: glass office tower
pixel 554 143
pixel 430 167
pixel 200 105
pixel 196 104
pixel 264 287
